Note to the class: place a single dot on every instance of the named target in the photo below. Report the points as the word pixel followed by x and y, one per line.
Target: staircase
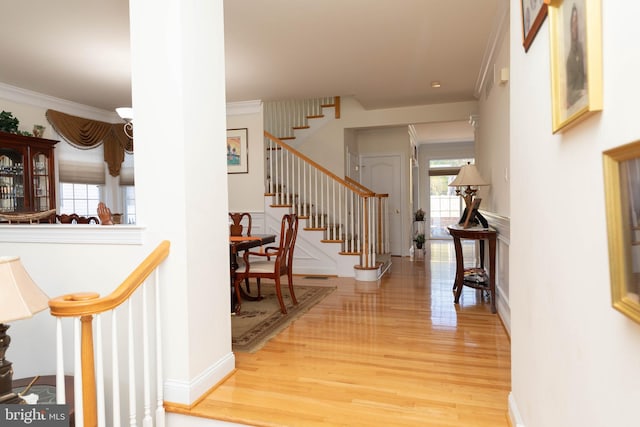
pixel 344 225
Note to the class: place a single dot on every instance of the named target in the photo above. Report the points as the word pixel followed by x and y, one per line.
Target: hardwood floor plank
pixel 394 353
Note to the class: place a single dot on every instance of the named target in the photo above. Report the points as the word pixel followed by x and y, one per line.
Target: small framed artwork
pixel 576 60
pixel 621 168
pixel 534 13
pixel 469 220
pixel 237 151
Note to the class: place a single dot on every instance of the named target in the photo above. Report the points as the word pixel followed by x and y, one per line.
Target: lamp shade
pixel 468 176
pixel 20 296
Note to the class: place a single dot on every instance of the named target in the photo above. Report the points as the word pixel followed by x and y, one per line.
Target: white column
pixel 181 193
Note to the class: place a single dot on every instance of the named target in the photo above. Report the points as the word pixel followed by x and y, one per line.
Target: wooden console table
pixel 45 388
pixel 478 278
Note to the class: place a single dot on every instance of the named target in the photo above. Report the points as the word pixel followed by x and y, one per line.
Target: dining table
pixel 238 244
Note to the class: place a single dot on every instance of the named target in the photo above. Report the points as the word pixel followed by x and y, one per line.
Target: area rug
pixel 259 321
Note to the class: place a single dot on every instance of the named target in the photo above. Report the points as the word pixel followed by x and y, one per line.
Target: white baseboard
pixel 514 414
pixel 180 420
pixel 187 392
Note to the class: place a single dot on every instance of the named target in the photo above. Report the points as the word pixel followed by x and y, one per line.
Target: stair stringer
pixel 311 256
pixel 315 124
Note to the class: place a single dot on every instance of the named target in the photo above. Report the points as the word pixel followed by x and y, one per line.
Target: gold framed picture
pixel 576 60
pixel 621 167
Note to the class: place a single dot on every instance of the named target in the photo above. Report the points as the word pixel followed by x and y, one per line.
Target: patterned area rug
pixel 259 321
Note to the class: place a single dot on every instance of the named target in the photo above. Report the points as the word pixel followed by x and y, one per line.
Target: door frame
pixel 404 246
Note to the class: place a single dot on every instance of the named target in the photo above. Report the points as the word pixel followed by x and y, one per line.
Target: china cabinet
pixel 27 180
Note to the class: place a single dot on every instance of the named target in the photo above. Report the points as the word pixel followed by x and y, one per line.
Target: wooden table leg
pixel 492 272
pixel 457 284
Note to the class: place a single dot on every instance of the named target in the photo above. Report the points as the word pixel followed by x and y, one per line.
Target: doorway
pixel 445 206
pixel 383 174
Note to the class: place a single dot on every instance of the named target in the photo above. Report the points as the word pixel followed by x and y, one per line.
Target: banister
pixel 363 188
pixel 335 177
pixel 345 210
pixel 82 304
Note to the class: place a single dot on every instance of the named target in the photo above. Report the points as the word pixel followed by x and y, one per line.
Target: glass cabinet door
pixel 41 182
pixel 12 191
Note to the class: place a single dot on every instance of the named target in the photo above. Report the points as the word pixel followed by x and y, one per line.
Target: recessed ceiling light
pixel 435 83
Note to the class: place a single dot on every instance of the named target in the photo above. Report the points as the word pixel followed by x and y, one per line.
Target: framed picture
pixel 533 14
pixel 471 213
pixel 621 167
pixel 576 60
pixel 237 151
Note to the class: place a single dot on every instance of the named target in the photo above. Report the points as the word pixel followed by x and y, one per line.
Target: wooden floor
pixel 393 353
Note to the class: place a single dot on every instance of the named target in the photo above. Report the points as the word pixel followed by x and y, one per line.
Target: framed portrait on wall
pixel 237 151
pixel 576 60
pixel 533 14
pixel 621 168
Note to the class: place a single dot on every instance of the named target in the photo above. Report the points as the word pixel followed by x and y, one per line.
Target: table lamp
pixel 469 177
pixel 21 298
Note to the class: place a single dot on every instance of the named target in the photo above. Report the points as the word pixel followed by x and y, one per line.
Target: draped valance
pixel 86 134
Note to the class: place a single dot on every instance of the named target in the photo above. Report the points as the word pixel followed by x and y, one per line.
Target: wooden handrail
pixel 363 188
pixel 317 166
pixel 83 304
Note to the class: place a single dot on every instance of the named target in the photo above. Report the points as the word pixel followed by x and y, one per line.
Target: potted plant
pixel 419 215
pixel 419 239
pixel 8 123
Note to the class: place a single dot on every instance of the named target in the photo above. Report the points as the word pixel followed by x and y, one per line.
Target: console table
pixel 45 388
pixel 478 278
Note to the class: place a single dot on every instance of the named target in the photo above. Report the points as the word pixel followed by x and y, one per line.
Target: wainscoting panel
pixel 502 225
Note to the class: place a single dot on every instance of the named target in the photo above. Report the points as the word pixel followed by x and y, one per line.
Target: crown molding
pixel 486 69
pixel 40 100
pixel 244 107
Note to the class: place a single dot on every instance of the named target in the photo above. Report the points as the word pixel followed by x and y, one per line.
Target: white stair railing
pixel 138 299
pixel 346 211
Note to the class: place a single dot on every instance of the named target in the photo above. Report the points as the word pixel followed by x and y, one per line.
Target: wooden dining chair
pixel 236 227
pixel 76 219
pixel 272 263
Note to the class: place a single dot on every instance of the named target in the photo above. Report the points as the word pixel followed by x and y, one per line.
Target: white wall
pixel 492 133
pixel 492 158
pixel 246 190
pixel 574 358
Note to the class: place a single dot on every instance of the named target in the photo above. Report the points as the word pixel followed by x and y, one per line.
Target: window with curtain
pixel 81 184
pixel 81 199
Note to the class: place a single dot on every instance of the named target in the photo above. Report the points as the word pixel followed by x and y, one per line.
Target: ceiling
pixel 385 53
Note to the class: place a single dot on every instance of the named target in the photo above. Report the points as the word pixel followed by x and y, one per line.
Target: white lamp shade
pixel 468 176
pixel 20 297
pixel 125 113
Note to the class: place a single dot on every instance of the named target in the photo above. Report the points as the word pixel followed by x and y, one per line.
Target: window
pixel 129 195
pixel 81 199
pixel 445 205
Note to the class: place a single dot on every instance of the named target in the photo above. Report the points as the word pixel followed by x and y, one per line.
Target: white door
pixel 383 174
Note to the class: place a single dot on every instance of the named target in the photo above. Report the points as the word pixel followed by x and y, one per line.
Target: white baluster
pixel 77 379
pixel 147 420
pixel 100 373
pixel 132 370
pixel 60 386
pixel 115 369
pixel 159 378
